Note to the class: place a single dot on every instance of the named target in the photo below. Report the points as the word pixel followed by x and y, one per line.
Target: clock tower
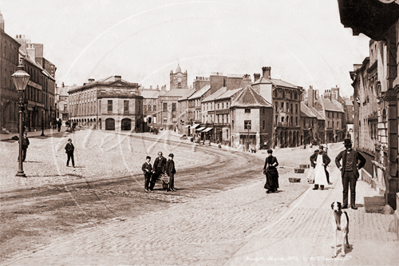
pixel 178 79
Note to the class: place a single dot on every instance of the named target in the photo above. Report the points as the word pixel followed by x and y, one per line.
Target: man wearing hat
pixel 349 171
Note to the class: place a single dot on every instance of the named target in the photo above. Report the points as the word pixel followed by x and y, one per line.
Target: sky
pixel 303 41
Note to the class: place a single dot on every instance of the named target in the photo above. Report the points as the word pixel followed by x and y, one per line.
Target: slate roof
pixel 200 92
pixel 214 95
pixel 149 94
pixel 187 95
pixel 228 94
pixel 178 93
pixel 104 82
pixel 319 115
pixel 276 82
pixel 248 97
pixel 306 111
pixel 332 106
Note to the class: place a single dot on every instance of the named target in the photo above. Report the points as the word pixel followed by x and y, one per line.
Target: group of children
pixel 161 166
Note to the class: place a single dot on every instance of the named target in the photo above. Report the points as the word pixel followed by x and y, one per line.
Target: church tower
pixel 178 79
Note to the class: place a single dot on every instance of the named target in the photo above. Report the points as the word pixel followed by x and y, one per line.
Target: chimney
pixel 91 80
pixel 31 52
pixel 157 87
pixel 256 76
pixel 311 96
pixel 62 84
pixel 217 81
pixel 246 81
pixel 118 77
pixel 267 72
pixel 1 22
pixel 150 87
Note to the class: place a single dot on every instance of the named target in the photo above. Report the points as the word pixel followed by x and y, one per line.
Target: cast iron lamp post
pixel 43 124
pixel 20 79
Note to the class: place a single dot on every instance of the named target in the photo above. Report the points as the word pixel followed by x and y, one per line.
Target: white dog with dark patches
pixel 340 222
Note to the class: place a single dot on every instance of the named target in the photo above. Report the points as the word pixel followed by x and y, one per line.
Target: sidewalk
pixel 303 235
pixel 47 133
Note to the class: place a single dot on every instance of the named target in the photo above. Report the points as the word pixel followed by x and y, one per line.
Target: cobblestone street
pixel 239 226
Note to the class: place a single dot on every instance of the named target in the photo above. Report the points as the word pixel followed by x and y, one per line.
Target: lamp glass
pixel 20 79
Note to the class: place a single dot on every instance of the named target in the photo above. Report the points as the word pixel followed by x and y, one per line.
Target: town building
pixel 378 78
pixel 61 102
pixel 251 117
pixel 9 60
pixel 151 106
pixel 108 104
pixel 40 92
pixel 169 115
pixel 309 125
pixel 286 101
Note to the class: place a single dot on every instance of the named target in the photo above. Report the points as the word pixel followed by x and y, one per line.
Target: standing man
pixel 324 150
pixel 349 171
pixel 147 170
pixel 159 165
pixel 69 148
pixel 171 171
pixel 25 144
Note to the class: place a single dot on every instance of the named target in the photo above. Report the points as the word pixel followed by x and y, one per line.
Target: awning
pixel 199 129
pixel 194 126
pixel 208 129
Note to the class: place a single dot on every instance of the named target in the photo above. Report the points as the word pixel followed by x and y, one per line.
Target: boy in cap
pixel 349 171
pixel 148 171
pixel 69 148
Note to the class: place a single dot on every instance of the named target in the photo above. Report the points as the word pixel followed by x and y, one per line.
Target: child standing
pixel 69 148
pixel 148 171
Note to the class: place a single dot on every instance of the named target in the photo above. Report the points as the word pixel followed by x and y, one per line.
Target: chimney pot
pixel 118 77
pixel 267 72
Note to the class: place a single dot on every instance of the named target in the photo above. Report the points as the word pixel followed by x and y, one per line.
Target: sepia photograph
pixel 199 132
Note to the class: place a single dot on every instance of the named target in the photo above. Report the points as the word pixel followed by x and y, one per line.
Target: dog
pixel 340 225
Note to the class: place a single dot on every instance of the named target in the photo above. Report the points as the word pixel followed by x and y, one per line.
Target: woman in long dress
pixel 320 161
pixel 271 173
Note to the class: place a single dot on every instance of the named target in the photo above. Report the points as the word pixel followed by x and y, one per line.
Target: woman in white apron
pixel 320 164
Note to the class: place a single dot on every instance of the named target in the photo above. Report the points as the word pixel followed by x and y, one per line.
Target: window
pixel 292 120
pixel 165 107
pixel 295 95
pixel 282 119
pixel 218 105
pixel 145 107
pixel 263 110
pixel 65 107
pixel 222 105
pixel 109 105
pixel 247 124
pixel 247 110
pixel 173 107
pixel 232 123
pixel 282 107
pixel 264 124
pixel 154 107
pixel 296 121
pixel 296 108
pixel 276 118
pixel 337 125
pixel 149 107
pixel 332 124
pixel 227 105
pixel 292 110
pixel 276 107
pixel 332 115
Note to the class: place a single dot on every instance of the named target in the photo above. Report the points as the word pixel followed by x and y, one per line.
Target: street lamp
pixel 43 124
pixel 20 79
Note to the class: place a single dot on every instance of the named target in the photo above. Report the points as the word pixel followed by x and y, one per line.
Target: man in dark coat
pixel 271 173
pixel 349 171
pixel 25 144
pixel 59 124
pixel 69 149
pixel 148 171
pixel 159 165
pixel 171 171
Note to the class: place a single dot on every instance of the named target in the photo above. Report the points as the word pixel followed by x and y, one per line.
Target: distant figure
pixel 69 149
pixel 271 173
pixel 171 171
pixel 349 171
pixel 159 165
pixel 148 171
pixel 319 161
pixel 59 124
pixel 25 144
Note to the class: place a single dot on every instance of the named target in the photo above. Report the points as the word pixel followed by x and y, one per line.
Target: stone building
pixel 286 101
pixel 151 106
pixel 108 104
pixel 169 114
pixel 9 54
pixel 378 78
pixel 61 98
pixel 309 125
pixel 40 91
pixel 251 120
